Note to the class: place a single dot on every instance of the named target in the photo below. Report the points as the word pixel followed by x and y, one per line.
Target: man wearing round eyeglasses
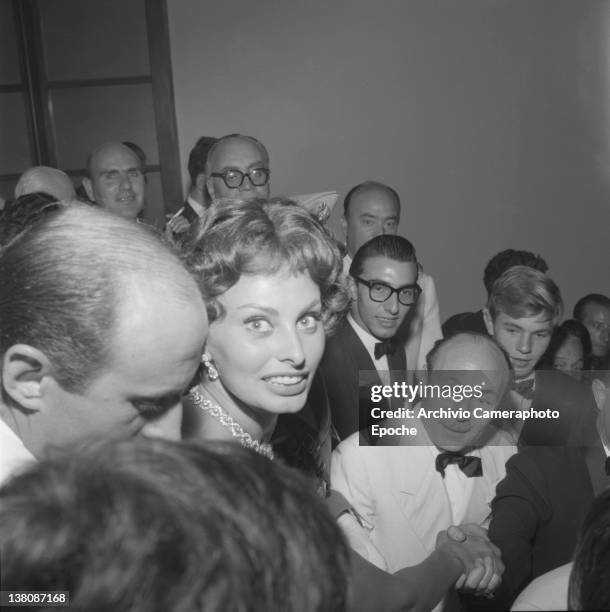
pixel 383 286
pixel 238 167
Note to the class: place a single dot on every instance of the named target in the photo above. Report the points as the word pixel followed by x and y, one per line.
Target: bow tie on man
pixel 525 388
pixel 470 465
pixel 385 347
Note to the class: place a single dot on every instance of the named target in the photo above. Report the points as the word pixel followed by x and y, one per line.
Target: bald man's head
pixel 47 180
pixel 478 373
pixel 101 330
pixel 236 155
pixel 116 179
pixel 370 209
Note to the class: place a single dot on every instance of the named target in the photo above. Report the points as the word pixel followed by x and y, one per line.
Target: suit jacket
pixel 348 372
pixel 537 513
pixel 555 390
pixel 402 499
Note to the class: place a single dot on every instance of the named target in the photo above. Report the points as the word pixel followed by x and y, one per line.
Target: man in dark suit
pixel 536 514
pixel 198 199
pixel 383 286
pixel 523 309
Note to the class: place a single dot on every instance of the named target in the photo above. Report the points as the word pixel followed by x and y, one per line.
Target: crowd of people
pixel 187 422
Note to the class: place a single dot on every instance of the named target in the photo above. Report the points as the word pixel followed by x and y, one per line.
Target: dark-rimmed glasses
pixel 234 179
pixel 380 292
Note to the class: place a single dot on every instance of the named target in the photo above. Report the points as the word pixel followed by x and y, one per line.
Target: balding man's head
pixel 46 180
pixel 101 327
pixel 238 167
pixel 478 373
pixel 370 209
pixel 116 179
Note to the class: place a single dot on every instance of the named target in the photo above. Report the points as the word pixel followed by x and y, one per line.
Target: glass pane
pixel 14 144
pixel 9 58
pixel 87 117
pixel 87 40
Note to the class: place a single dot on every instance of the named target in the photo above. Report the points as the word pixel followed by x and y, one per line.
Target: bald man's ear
pixel 88 188
pixel 344 225
pixel 600 392
pixel 209 183
pixel 23 369
pixel 489 323
pixel 201 184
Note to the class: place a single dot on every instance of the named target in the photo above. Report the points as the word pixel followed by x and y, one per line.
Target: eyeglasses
pixel 234 179
pixel 380 292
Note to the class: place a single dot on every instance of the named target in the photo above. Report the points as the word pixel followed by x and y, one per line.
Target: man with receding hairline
pixel 89 351
pixel 373 209
pixel 237 167
pixel 116 180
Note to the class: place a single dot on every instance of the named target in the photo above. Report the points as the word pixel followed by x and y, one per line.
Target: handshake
pixel 482 566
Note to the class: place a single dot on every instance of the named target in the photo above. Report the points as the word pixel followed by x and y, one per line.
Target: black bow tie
pixel 385 347
pixel 525 388
pixel 607 466
pixel 471 466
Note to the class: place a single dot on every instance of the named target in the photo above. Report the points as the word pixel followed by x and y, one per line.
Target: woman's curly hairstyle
pixel 237 237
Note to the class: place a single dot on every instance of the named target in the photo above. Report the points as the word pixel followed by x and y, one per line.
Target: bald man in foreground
pixel 89 350
pixel 116 180
pixel 441 470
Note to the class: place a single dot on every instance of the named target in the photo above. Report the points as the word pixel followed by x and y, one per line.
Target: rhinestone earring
pixel 211 371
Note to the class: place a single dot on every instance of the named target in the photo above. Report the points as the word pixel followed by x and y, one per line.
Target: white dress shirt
pixel 13 454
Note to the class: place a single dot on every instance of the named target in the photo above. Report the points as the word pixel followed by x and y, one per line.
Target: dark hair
pixel 153 525
pixel 367 184
pixel 261 237
pixel 522 291
pixel 23 212
pixel 62 278
pixel 590 578
pixel 137 149
pixel 385 245
pixel 569 328
pixel 504 260
pixel 591 298
pixel 199 155
pixel 602 370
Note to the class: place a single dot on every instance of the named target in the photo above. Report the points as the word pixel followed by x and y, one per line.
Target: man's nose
pixel 525 343
pixel 391 304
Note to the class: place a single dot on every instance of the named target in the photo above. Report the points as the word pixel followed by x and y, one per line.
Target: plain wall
pixel 488 116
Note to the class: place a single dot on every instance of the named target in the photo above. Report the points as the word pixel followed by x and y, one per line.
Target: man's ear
pixel 23 369
pixel 600 392
pixel 201 184
pixel 352 287
pixel 87 185
pixel 489 323
pixel 344 226
pixel 209 183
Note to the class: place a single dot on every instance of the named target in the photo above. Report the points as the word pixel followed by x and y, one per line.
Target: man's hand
pixel 480 559
pixel 178 225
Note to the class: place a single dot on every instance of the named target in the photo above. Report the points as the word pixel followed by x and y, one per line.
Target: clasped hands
pixel 480 558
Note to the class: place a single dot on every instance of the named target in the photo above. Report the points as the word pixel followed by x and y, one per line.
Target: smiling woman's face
pixel 267 344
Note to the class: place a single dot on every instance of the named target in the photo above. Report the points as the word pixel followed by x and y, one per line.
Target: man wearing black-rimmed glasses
pixel 238 167
pixel 366 350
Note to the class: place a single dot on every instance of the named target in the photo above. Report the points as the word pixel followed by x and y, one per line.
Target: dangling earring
pixel 211 371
